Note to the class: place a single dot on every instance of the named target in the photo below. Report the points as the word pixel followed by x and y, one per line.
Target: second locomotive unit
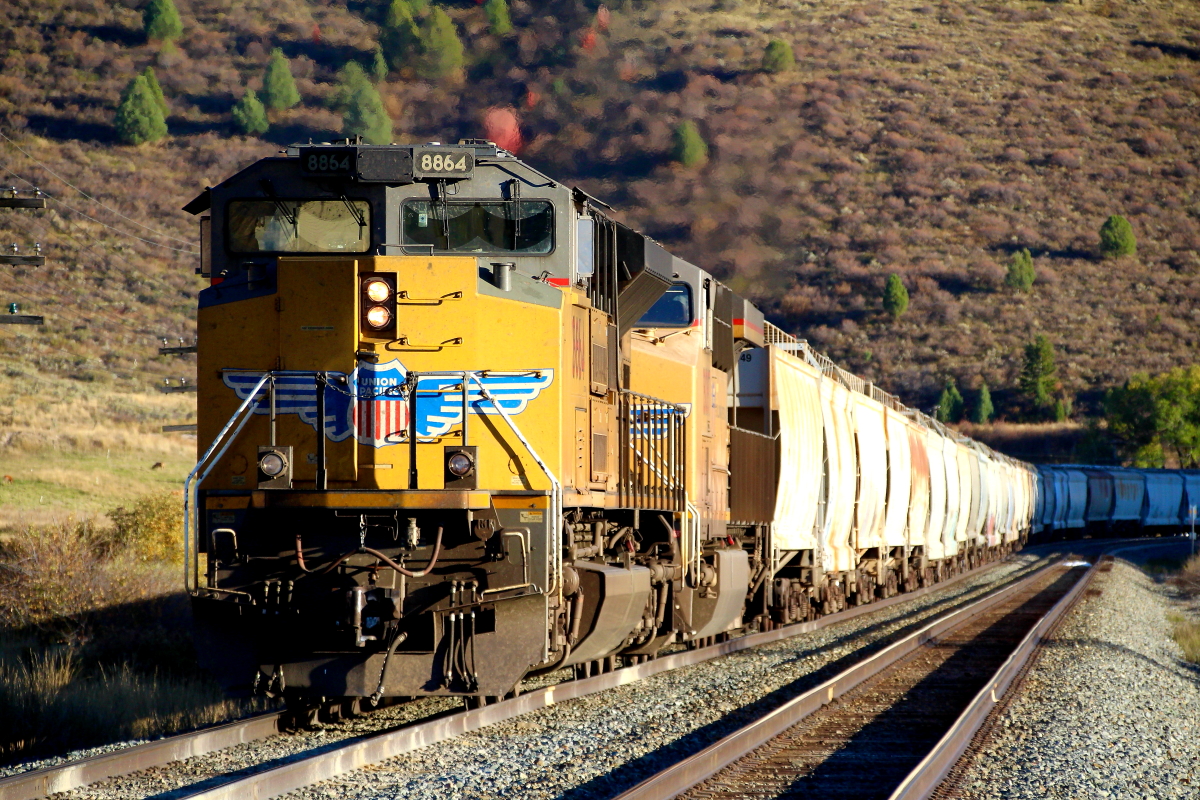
pixel 458 425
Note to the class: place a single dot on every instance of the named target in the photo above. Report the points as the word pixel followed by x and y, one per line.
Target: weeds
pixel 95 638
pixel 1187 634
pixel 52 702
pixel 1188 577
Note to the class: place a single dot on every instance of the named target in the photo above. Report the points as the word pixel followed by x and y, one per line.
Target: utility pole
pixel 12 199
pixel 15 317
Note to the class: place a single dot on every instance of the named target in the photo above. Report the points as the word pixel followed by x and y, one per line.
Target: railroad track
pixel 894 725
pixel 358 751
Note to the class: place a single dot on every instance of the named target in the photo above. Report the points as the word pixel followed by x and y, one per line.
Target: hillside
pixel 928 140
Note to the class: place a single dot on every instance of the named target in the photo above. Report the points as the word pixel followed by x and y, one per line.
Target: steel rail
pixel 74 774
pixel 685 774
pixel 81 772
pixel 927 776
pixel 359 753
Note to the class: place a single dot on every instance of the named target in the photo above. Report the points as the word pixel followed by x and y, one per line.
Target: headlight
pixel 460 464
pixel 377 291
pixel 378 317
pixel 272 464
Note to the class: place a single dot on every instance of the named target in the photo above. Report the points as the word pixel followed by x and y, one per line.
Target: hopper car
pixel 1074 500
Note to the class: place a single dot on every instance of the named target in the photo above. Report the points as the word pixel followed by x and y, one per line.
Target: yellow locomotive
pixel 458 425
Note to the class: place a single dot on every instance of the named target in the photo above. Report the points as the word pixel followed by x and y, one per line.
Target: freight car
pixel 1075 500
pixel 458 425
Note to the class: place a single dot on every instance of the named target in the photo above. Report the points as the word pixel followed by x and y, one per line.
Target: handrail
pixel 555 492
pixel 191 485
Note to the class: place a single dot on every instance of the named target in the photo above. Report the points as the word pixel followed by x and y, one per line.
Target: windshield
pixel 673 309
pixel 299 226
pixel 480 226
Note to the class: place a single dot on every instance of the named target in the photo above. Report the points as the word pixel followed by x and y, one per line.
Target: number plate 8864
pixel 443 163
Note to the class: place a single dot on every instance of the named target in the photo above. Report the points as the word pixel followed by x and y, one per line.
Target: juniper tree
pixel 161 22
pixel 379 66
pixel 250 116
pixel 366 117
pixel 351 78
pixel 1037 374
pixel 950 404
pixel 690 148
pixel 139 119
pixel 1116 237
pixel 982 413
pixel 401 38
pixel 895 296
pixel 498 18
pixel 443 49
pixel 778 57
pixel 1020 271
pixel 156 90
pixel 279 88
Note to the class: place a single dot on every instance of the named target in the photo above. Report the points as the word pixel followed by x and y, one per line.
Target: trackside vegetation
pixel 95 638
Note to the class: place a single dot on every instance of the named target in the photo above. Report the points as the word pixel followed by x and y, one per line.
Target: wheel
pixel 331 711
pixel 301 712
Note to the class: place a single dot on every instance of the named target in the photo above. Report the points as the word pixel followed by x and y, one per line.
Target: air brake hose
pixel 437 551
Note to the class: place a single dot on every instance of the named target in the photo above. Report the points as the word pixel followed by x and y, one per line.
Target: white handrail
pixel 191 485
pixel 555 526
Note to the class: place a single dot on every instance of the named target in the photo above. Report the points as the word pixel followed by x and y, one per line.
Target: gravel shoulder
pixel 1110 709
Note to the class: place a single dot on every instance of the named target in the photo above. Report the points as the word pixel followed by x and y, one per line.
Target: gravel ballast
pixel 597 745
pixel 1109 710
pixel 601 745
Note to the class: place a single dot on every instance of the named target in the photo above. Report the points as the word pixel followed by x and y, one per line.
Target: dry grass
pixel 1044 442
pixel 95 637
pixel 53 578
pixel 1187 633
pixel 53 702
pixel 1188 577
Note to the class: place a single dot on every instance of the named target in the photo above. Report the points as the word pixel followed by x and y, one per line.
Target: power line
pixel 98 222
pixel 90 197
pixel 88 246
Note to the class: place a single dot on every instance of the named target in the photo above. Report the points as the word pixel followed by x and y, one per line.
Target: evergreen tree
pixel 690 148
pixel 497 14
pixel 1037 375
pixel 160 20
pixel 443 48
pixel 366 117
pixel 895 296
pixel 1116 237
pixel 279 88
pixel 250 116
pixel 778 57
pixel 401 39
pixel 351 78
pixel 156 90
pixel 950 405
pixel 983 411
pixel 139 119
pixel 1021 274
pixel 379 66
